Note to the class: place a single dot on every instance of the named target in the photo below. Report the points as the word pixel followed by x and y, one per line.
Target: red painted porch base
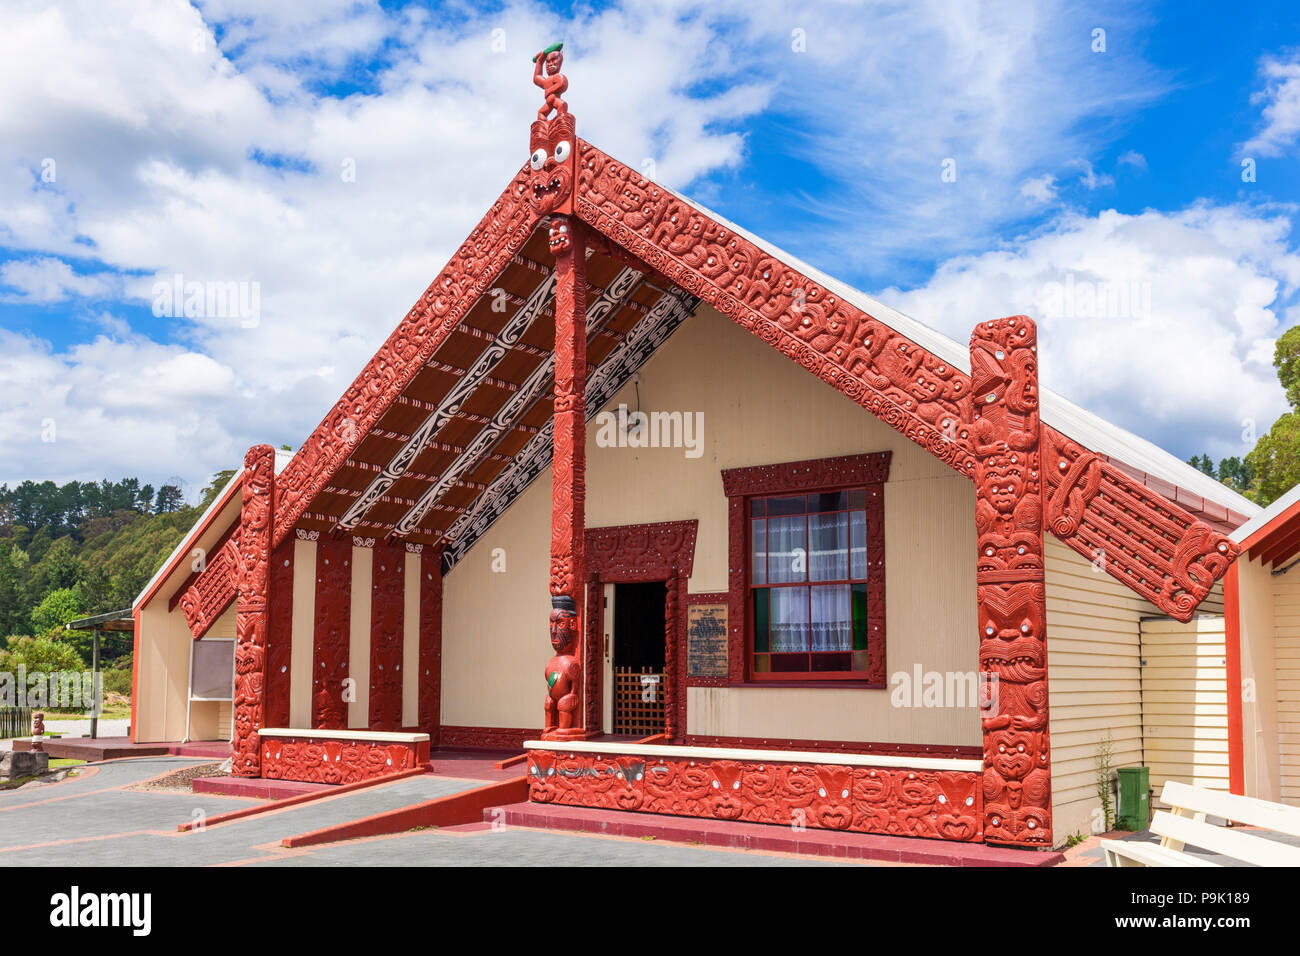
pixel 772 839
pixel 468 806
pixel 256 787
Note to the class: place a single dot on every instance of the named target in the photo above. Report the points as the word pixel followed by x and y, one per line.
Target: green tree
pixel 57 609
pixel 1275 459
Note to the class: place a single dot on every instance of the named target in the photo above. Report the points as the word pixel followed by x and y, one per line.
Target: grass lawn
pixel 110 712
pixel 56 763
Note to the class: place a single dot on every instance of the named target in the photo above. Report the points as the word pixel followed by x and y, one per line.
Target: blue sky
pixel 147 140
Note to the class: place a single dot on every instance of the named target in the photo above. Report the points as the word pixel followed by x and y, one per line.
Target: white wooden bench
pixel 1184 823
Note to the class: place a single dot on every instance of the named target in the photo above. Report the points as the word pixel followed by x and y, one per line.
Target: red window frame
pixel 825 475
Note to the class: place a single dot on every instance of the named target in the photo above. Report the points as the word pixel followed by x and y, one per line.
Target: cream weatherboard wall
pixel 758 408
pixel 162 663
pixel 1185 702
pixel 1286 682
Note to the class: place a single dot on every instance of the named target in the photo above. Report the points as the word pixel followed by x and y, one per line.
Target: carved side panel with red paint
pixel 253 586
pixel 1012 598
pixel 934 804
pixel 430 692
pixel 279 636
pixel 213 590
pixel 330 637
pixel 337 761
pixel 387 606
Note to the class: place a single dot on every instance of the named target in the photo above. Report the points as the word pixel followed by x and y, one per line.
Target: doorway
pixel 639 662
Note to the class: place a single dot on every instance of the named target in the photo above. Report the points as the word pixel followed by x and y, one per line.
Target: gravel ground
pixel 179 782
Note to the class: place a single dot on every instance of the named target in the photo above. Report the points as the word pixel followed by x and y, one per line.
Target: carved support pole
pixel 1011 594
pixel 564 714
pixel 253 585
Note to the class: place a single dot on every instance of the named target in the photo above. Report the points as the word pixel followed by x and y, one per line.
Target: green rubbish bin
pixel 1134 811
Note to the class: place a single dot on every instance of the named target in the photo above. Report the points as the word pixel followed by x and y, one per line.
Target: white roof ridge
pixel 1074 421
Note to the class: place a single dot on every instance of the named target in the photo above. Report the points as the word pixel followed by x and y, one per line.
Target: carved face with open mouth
pixel 559 240
pixel 551 163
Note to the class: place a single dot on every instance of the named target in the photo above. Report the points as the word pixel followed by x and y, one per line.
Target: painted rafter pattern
pixel 669 312
pixel 1147 542
pixel 497 238
pixel 448 408
pixel 518 406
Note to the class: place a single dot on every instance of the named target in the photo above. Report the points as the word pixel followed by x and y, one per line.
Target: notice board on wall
pixel 706 640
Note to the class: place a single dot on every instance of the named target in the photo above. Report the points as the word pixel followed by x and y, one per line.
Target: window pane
pixel 858 530
pixel 858 498
pixel 830 662
pixel 789 619
pixel 859 617
pixel 833 501
pixel 762 664
pixel 832 623
pixel 828 553
pixel 758 507
pixel 787 546
pixel 861 660
pixel 790 663
pixel 758 551
pixel 795 505
pixel 760 620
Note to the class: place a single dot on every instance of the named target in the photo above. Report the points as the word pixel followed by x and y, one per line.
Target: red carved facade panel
pixel 314 760
pixel 430 655
pixel 1009 576
pixel 279 636
pixel 825 474
pixel 485 738
pixel 1149 542
pixel 213 590
pixel 663 551
pixel 935 804
pixel 253 584
pixel 387 606
pixel 330 636
pixel 833 746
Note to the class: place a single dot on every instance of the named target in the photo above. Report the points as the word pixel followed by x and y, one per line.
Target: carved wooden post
pixel 553 161
pixel 1011 594
pixel 253 580
pixel 564 714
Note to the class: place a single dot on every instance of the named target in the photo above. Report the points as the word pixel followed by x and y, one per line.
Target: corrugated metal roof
pixel 1076 422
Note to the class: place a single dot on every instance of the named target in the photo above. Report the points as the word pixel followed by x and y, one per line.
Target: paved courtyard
pixel 95 820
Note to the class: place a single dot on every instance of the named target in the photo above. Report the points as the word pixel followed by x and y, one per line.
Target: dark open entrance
pixel 639 658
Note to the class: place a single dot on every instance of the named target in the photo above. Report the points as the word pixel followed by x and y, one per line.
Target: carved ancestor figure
pixel 563 673
pixel 553 83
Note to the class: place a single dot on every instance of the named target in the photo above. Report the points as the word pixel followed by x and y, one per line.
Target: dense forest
pixel 70 551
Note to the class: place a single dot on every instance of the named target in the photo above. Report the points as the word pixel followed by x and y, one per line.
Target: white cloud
pixel 45 279
pixel 1161 322
pixel 1040 189
pixel 1281 113
pixel 1133 158
pixel 1089 178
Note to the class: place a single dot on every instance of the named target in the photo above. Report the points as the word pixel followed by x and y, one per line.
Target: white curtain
pixel 832 618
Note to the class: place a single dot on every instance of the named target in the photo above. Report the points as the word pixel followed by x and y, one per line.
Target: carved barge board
pixel 483 256
pixel 1149 543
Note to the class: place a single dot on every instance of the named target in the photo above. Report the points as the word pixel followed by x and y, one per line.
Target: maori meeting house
pixel 705 533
